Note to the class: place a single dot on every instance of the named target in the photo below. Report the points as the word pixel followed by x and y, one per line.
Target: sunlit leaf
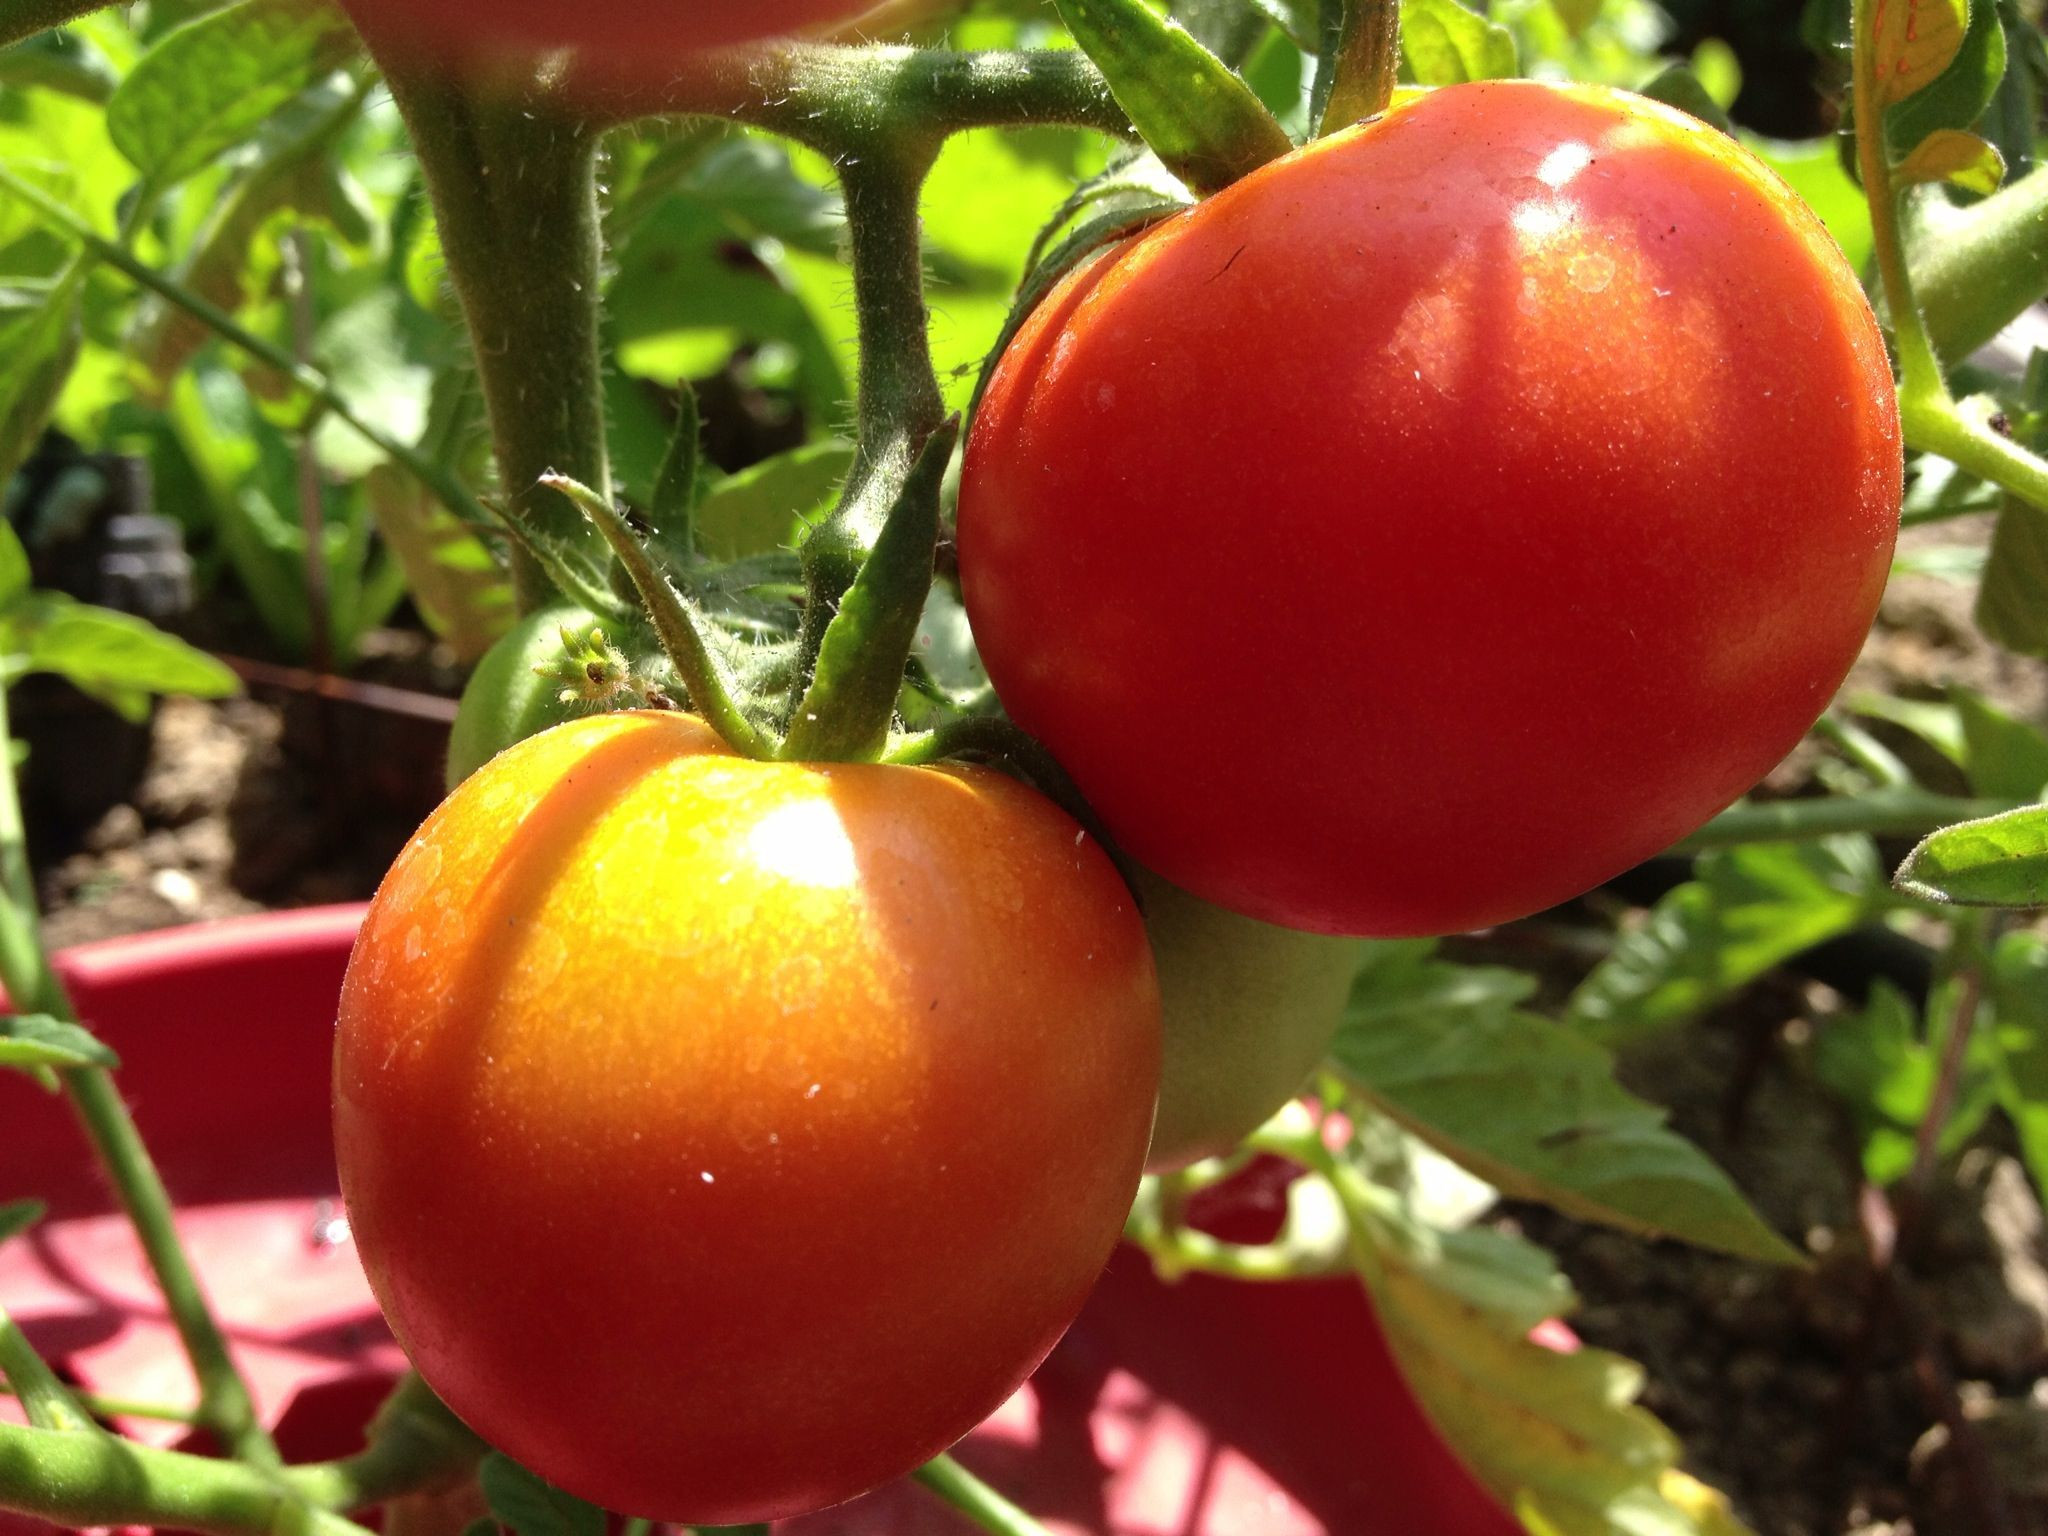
pixel 1914 41
pixel 2001 861
pixel 1949 154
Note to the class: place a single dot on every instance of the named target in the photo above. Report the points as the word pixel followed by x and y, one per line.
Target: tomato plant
pixel 1522 468
pixel 749 1194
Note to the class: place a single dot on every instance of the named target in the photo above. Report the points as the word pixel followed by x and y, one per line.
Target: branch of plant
pixel 834 98
pixel 99 1406
pixel 46 1401
pixel 225 1406
pixel 415 1443
pixel 1364 61
pixel 980 1503
pixel 23 19
pixel 1885 812
pixel 445 486
pixel 1929 415
pixel 513 180
pixel 81 1480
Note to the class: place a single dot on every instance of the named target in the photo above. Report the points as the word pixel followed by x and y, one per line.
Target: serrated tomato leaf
pixel 1747 910
pixel 1555 1435
pixel 1529 1105
pixel 207 86
pixel 2001 861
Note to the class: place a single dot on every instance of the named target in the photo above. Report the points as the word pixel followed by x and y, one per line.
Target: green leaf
pixel 1205 123
pixel 1530 1106
pixel 1554 1436
pixel 2007 759
pixel 17 1216
pixel 2001 861
pixel 37 1040
pixel 2018 995
pixel 462 593
pixel 851 701
pixel 1677 86
pixel 1958 97
pixel 39 346
pixel 1915 42
pixel 14 572
pixel 1577 15
pixel 1748 910
pixel 766 507
pixel 114 656
pixel 1883 1063
pixel 1949 154
pixel 288 172
pixel 2012 604
pixel 529 1506
pixel 207 86
pixel 1447 44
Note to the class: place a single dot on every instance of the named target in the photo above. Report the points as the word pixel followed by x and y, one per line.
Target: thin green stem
pixel 1920 369
pixel 48 1403
pixel 440 481
pixel 82 1480
pixel 975 1499
pixel 513 180
pixel 1938 425
pixel 682 637
pixel 99 1406
pixel 23 19
pixel 1881 813
pixel 225 1406
pixel 415 1443
pixel 832 97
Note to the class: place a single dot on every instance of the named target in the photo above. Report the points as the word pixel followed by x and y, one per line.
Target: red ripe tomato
pixel 632 41
pixel 1443 518
pixel 724 1138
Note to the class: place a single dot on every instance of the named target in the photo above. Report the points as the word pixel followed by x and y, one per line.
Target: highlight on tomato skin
pixel 1442 519
pixel 723 1139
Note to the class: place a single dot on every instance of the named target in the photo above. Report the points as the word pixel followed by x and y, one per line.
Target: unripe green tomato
pixel 1248 1009
pixel 505 700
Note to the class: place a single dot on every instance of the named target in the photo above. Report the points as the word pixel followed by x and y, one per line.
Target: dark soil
pixel 1907 1398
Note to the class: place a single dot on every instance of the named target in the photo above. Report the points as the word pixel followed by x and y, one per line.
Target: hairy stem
pixel 513 179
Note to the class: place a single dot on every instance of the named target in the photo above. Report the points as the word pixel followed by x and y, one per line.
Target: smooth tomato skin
pixel 505 700
pixel 625 42
pixel 723 1139
pixel 1248 1010
pixel 1443 518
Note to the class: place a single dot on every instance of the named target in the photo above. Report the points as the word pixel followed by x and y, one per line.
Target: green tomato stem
pixel 23 19
pixel 513 180
pixel 415 1443
pixel 1919 368
pixel 46 1401
pixel 975 1499
pixel 1976 268
pixel 835 98
pixel 225 1406
pixel 99 1406
pixel 94 1479
pixel 1881 813
pixel 445 486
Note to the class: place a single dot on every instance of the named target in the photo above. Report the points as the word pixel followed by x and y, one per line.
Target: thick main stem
pixel 513 179
pixel 225 1406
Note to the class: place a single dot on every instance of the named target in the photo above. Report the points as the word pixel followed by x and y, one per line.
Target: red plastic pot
pixel 1200 1409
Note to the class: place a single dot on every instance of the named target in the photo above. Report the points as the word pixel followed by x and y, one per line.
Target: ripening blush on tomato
pixel 635 42
pixel 1443 518
pixel 724 1138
